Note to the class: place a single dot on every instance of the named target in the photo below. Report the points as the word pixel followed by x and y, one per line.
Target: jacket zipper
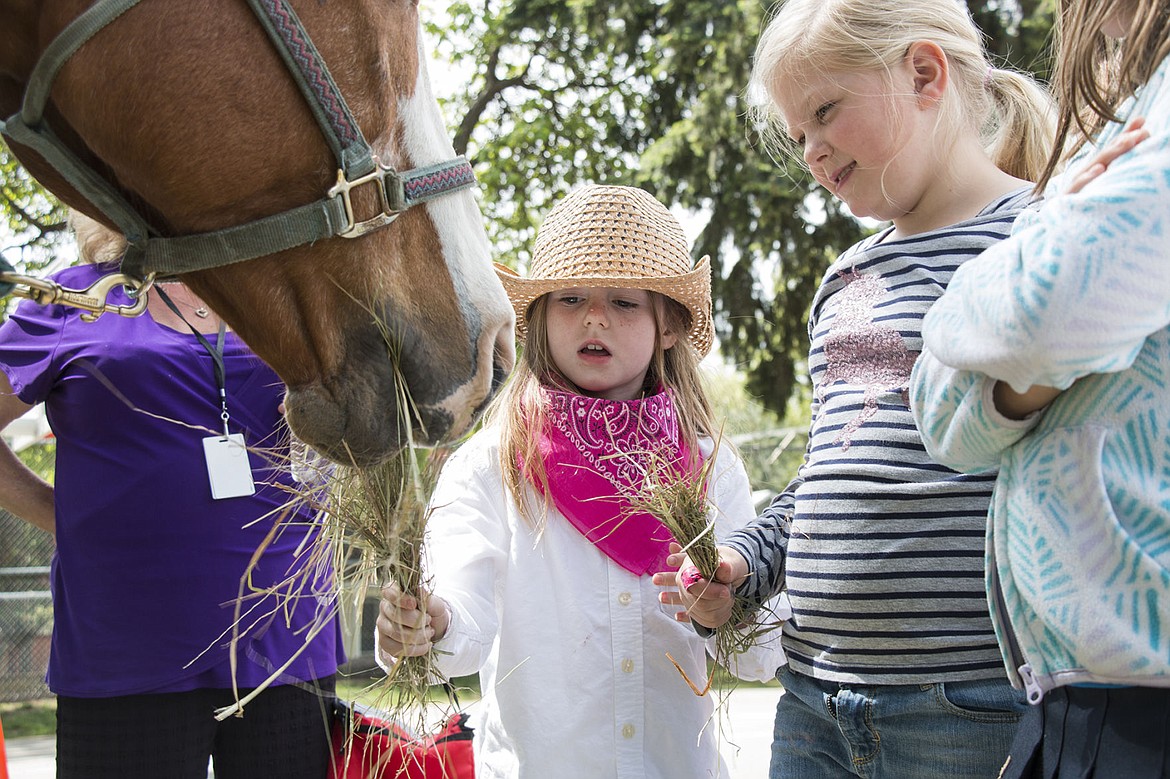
pixel 1032 688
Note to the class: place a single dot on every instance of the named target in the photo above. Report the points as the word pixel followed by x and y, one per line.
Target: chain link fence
pixel 26 610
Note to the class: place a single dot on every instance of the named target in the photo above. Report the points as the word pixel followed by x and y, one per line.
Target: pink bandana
pixel 591 486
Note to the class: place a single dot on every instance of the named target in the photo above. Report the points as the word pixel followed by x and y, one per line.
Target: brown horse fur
pixel 189 110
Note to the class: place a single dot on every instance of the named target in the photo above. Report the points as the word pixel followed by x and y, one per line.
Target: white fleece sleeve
pixel 957 418
pixel 1081 283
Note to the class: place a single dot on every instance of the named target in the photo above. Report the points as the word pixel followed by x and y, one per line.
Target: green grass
pixel 363 688
pixel 29 718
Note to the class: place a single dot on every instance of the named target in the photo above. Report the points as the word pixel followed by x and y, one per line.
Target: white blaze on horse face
pixel 487 314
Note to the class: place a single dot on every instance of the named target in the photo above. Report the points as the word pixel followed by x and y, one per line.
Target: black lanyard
pixel 216 353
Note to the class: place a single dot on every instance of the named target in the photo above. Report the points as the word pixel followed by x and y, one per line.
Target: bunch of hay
pixel 371 522
pixel 381 515
pixel 678 498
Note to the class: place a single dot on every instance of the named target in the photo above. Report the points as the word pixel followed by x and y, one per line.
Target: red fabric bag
pixel 381 748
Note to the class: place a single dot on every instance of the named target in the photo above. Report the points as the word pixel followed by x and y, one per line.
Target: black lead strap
pixel 216 353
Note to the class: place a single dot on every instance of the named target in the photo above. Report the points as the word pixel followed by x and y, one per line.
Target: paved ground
pixel 747 731
pixel 746 728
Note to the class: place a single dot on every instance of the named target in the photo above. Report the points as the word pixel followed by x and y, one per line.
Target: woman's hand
pixel 405 629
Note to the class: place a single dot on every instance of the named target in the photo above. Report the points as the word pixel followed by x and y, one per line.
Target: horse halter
pixel 150 255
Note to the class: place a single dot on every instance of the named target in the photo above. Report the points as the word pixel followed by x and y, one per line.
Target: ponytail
pixel 1020 134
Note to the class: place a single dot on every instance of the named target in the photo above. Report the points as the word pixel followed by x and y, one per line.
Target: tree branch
pixel 492 87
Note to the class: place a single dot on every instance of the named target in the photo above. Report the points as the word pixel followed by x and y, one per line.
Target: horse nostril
pixel 499 373
pixel 504 356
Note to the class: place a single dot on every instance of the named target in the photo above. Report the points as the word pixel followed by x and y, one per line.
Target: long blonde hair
pixel 520 410
pixel 1010 111
pixel 1095 73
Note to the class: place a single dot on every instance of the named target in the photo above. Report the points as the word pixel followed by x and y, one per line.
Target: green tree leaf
pixel 33 220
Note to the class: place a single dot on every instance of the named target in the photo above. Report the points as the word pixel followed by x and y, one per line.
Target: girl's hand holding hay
pixel 676 580
pixel 405 628
pixel 709 599
pixel 679 500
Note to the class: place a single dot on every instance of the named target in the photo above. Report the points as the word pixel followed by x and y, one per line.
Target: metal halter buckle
pixel 391 195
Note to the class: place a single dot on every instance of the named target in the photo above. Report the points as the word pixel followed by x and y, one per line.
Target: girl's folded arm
pixel 1078 287
pixel 957 417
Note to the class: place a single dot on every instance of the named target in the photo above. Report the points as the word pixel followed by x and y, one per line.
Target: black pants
pixel 284 734
pixel 1094 733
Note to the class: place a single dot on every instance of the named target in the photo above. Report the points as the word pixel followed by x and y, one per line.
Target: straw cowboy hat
pixel 606 236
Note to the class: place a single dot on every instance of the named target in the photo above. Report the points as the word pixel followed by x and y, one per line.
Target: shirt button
pixel 625 598
pixel 628 665
pixel 628 731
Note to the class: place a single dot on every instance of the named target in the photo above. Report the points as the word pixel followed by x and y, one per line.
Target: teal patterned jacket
pixel 1077 298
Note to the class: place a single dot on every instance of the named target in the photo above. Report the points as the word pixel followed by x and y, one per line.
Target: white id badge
pixel 228 467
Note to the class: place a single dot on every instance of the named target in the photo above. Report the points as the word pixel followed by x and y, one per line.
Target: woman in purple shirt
pixel 148 566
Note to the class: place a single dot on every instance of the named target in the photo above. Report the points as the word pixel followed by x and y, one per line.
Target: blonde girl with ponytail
pixel 893 670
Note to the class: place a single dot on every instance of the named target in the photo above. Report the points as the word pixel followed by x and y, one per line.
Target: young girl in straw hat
pixel 541 577
pixel 893 666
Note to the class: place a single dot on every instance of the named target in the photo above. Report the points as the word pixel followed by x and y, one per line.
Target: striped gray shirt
pixel 880 549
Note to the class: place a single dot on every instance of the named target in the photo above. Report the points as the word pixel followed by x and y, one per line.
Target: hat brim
pixel 692 290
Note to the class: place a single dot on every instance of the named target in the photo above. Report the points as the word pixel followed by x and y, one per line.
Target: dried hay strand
pixel 312 576
pixel 383 511
pixel 377 516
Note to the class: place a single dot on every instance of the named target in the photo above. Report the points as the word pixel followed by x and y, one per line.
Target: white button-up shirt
pixel 571 648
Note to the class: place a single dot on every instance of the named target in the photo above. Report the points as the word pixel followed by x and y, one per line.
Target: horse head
pixel 401 334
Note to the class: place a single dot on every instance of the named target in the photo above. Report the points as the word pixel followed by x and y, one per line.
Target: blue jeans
pixel 911 731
